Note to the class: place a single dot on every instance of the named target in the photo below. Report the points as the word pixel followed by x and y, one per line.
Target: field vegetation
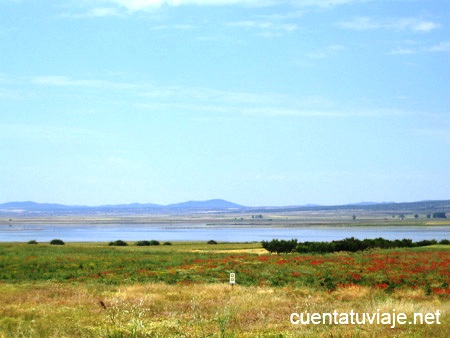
pixel 182 290
pixel 350 244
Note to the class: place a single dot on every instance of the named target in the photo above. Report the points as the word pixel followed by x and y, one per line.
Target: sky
pixel 270 102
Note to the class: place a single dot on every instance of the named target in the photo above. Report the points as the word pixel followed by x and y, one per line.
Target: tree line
pixel 348 244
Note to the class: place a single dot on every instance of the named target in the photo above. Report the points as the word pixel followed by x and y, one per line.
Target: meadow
pixel 182 290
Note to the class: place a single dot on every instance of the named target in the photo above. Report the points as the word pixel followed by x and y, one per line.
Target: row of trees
pixel 119 242
pixel 348 244
pixel 437 215
pixel 416 216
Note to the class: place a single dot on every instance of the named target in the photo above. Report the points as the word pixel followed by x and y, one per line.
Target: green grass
pixel 182 290
pixel 190 263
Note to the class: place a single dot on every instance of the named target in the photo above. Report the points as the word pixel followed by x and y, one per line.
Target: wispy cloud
pixel 265 28
pixel 439 134
pixel 103 11
pixel 206 101
pixel 291 15
pixel 270 25
pixel 440 47
pixel 360 24
pixel 326 52
pixel 142 5
pixel 321 113
pixel 210 96
pixel 3 78
pixel 136 5
pixel 64 81
pixel 402 51
pixel 50 133
pixel 177 27
pixel 115 7
pixel 364 23
pixel 423 26
pixel 108 8
pixel 92 11
pixel 324 3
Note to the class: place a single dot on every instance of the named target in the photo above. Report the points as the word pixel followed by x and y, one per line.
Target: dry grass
pixel 440 222
pixel 108 302
pixel 212 310
pixel 258 251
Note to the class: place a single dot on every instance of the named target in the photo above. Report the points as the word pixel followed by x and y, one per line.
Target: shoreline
pixel 277 221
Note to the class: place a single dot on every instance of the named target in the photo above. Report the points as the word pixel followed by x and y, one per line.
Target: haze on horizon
pixel 277 102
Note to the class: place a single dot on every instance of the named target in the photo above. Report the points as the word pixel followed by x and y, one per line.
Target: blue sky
pixel 266 102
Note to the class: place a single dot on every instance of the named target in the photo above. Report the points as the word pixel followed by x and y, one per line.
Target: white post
pixel 232 279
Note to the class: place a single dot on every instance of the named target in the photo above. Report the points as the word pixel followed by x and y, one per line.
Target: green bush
pixel 348 244
pixel 211 242
pixel 143 243
pixel 119 242
pixel 32 242
pixel 439 215
pixel 280 246
pixel 56 242
pixel 167 243
pixel 426 242
pixel 147 243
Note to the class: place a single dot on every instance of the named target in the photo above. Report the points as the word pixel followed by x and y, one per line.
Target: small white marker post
pixel 232 279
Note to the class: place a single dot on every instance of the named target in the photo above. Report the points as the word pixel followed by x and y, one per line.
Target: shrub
pixel 426 242
pixel 119 242
pixel 143 243
pixel 405 243
pixel 280 246
pixel 167 243
pixel 211 242
pixel 56 242
pixel 154 242
pixel 445 241
pixel 32 242
pixel 348 244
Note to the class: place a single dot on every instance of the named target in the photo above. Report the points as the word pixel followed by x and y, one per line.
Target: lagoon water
pixel 203 232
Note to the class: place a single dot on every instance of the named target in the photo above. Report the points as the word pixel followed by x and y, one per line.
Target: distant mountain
pixel 214 204
pixel 131 206
pixel 429 206
pixel 134 208
pixel 28 205
pixel 368 203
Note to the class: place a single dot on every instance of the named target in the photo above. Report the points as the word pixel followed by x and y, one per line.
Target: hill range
pixel 213 206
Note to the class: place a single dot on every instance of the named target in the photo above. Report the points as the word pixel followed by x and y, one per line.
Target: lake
pixel 204 232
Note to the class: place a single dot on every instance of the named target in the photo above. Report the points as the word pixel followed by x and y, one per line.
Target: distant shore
pixel 228 220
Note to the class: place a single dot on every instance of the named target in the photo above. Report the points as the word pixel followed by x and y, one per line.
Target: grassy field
pixel 182 290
